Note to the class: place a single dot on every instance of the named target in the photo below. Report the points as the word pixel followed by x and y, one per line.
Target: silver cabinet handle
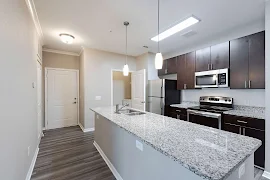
pixel 245 84
pixel 242 121
pixel 208 66
pixel 249 84
pixel 185 86
pixel 244 131
pixel 166 71
pixel 211 66
pixel 240 130
pixel 178 110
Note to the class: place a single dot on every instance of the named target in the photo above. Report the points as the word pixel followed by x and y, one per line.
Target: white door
pixel 138 88
pixel 62 98
pixel 39 97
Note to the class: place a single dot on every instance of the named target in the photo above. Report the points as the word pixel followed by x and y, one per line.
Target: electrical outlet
pixel 241 170
pixel 139 145
pixel 28 150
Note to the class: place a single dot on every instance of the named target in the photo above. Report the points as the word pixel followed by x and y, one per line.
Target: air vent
pixel 189 34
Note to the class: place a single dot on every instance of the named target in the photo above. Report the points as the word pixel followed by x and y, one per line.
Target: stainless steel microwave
pixel 211 79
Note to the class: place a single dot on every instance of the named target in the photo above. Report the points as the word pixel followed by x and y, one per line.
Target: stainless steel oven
pixel 204 118
pixel 210 79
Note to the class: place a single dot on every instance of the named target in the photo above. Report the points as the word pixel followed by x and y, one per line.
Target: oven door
pixel 206 79
pixel 204 118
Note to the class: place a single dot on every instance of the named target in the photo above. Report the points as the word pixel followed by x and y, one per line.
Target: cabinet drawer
pixel 176 110
pixel 245 121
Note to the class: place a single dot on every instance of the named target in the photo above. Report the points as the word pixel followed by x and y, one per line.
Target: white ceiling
pixel 91 21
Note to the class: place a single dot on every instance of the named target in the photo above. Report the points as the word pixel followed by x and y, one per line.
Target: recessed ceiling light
pixel 67 38
pixel 175 29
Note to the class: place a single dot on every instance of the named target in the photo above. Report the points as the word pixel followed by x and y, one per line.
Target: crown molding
pixel 32 10
pixel 60 52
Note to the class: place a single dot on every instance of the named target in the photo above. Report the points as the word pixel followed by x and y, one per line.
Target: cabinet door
pixel 181 72
pixel 220 56
pixel 260 153
pixel 257 61
pixel 163 71
pixel 172 65
pixel 190 70
pixel 239 54
pixel 232 128
pixel 203 60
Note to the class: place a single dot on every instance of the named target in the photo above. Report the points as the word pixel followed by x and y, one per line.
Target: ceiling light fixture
pixel 126 69
pixel 67 38
pixel 177 28
pixel 158 58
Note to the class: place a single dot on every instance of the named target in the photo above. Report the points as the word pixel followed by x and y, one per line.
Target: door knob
pixel 143 102
pixel 74 102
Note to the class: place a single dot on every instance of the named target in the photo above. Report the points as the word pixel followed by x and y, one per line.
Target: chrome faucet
pixel 118 109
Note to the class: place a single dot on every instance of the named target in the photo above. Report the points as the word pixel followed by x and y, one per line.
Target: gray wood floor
pixel 69 154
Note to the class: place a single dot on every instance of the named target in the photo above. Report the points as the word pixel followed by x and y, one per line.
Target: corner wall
pixel 18 64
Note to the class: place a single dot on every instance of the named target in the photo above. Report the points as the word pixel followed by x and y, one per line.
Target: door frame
pixel 46 92
pixel 117 70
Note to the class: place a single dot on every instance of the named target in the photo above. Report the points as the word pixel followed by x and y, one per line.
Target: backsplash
pixel 245 97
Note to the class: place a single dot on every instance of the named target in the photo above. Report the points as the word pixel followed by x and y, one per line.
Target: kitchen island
pixel 155 147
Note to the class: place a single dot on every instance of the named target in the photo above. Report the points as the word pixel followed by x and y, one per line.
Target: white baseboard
pixel 30 171
pixel 108 162
pixel 86 130
pixel 266 174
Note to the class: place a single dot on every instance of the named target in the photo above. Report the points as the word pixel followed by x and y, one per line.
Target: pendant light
pixel 158 58
pixel 126 69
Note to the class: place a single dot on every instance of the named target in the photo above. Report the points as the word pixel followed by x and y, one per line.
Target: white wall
pixel 147 61
pixel 98 81
pixel 267 84
pixel 18 129
pixel 241 97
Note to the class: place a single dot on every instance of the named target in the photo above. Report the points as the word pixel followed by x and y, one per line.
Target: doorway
pixel 39 99
pixel 129 89
pixel 121 88
pixel 61 97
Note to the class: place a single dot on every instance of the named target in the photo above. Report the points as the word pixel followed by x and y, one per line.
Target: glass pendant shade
pixel 125 70
pixel 158 61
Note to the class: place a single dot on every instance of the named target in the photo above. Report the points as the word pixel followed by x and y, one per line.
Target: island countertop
pixel 210 153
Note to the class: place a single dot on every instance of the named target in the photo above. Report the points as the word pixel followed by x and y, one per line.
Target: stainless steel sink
pixel 130 112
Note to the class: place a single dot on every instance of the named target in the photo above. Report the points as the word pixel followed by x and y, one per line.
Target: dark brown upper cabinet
pixel 181 72
pixel 172 65
pixel 186 71
pixel 163 71
pixel 220 56
pixel 247 62
pixel 169 67
pixel 203 59
pixel 257 61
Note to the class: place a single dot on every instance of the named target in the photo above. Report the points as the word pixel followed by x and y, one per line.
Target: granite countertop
pixel 248 111
pixel 185 104
pixel 210 153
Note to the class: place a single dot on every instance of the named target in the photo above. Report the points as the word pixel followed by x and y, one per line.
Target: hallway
pixel 69 154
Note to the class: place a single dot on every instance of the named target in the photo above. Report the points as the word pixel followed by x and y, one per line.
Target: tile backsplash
pixel 246 97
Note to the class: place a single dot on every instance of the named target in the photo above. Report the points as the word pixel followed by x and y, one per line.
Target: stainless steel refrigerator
pixel 162 93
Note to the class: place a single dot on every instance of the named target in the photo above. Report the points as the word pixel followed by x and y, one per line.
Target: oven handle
pixel 205 114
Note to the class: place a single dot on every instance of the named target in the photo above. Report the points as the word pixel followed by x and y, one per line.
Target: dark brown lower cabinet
pixel 248 127
pixel 177 113
pixel 205 121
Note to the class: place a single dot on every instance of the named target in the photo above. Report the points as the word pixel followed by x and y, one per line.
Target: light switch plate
pixel 98 98
pixel 139 145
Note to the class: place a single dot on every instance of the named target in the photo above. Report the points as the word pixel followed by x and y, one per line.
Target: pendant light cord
pixel 158 28
pixel 126 43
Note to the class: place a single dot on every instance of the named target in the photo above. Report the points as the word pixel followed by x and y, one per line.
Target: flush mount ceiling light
pixel 126 69
pixel 177 28
pixel 67 38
